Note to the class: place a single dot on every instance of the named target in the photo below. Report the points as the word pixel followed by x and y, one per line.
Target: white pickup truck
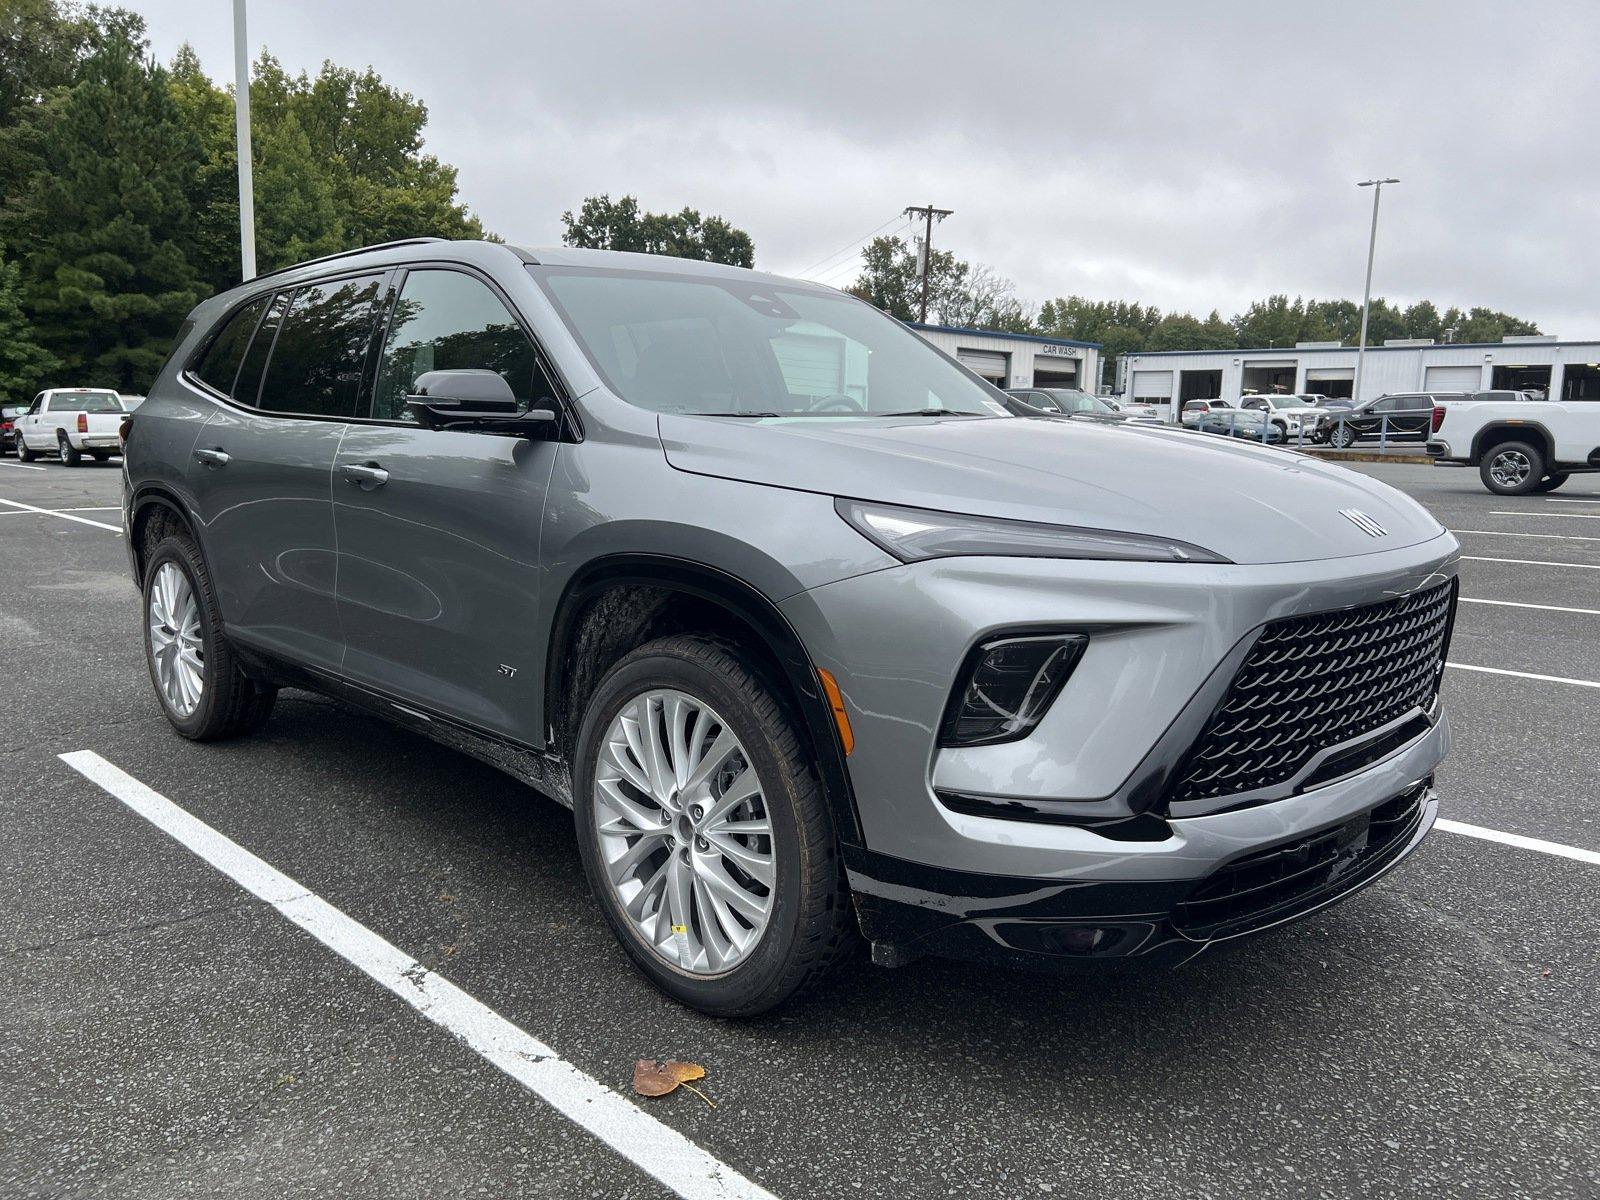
pixel 1518 445
pixel 71 422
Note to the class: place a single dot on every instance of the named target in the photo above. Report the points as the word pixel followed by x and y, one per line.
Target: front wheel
pixel 23 453
pixel 703 829
pixel 202 691
pixel 1342 438
pixel 1512 468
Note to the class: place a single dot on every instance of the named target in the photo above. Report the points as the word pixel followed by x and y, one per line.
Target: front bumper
pixel 907 910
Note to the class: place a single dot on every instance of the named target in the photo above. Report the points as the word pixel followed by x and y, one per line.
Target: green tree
pixel 1487 325
pixel 106 278
pixel 602 223
pixel 1275 321
pixel 24 364
pixel 1422 321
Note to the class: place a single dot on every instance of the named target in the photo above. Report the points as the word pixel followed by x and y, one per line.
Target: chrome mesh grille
pixel 1313 682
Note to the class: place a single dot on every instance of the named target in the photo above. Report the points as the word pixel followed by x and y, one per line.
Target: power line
pixel 850 246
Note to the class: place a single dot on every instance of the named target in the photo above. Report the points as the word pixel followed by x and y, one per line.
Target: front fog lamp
pixel 1007 685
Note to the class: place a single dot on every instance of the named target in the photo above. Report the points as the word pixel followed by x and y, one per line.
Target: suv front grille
pixel 1317 681
pixel 1275 883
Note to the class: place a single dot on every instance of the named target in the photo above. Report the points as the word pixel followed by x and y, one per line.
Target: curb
pixel 1365 456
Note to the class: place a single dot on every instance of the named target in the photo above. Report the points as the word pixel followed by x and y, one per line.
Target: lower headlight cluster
pixel 1007 684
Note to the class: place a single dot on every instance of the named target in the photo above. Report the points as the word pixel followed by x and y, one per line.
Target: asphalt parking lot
pixel 166 1033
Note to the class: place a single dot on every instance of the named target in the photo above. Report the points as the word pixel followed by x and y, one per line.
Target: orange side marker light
pixel 830 689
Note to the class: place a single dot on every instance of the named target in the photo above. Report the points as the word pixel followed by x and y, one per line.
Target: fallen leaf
pixel 651 1078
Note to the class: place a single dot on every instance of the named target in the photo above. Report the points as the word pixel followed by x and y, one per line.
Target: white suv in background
pixel 1291 414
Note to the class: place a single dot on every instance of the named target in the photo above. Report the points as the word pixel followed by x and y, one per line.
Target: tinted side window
pixel 247 388
pixel 220 365
pixel 321 349
pixel 445 320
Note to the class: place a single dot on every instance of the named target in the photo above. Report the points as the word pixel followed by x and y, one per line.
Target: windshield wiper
pixel 925 412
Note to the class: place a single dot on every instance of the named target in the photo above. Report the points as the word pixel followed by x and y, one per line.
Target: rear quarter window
pixel 218 367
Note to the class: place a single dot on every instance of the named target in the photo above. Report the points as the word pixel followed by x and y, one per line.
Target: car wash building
pixel 1564 370
pixel 1018 359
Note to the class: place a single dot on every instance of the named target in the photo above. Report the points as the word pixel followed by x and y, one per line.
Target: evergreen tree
pixel 25 365
pixel 107 281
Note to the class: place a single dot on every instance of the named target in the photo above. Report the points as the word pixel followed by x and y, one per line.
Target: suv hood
pixel 1248 503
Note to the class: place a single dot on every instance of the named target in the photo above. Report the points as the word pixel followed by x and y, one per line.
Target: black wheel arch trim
pixel 750 606
pixel 155 495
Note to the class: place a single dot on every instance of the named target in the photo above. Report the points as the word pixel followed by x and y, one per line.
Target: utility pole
pixel 241 122
pixel 928 213
pixel 1366 300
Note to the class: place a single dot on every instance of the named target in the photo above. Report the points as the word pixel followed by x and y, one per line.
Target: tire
pixel 229 704
pixel 69 456
pixel 100 455
pixel 1512 468
pixel 1343 437
pixel 807 918
pixel 23 453
pixel 1552 481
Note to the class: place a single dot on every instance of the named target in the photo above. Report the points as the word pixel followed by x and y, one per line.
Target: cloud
pixel 1186 155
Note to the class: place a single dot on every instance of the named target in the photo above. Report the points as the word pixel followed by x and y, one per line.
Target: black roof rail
pixel 414 241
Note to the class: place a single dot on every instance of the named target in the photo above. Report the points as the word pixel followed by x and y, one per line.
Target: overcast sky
pixel 1182 154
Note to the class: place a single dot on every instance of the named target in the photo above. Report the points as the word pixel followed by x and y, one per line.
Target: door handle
pixel 368 476
pixel 212 458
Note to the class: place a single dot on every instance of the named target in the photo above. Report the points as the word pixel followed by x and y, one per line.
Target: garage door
pixel 1452 379
pixel 989 365
pixel 1152 385
pixel 811 366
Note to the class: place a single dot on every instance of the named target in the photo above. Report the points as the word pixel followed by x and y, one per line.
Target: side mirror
pixel 475 399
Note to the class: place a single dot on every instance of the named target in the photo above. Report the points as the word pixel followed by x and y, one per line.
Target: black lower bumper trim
pixel 908 909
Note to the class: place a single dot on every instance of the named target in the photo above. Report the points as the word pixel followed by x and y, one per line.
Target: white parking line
pixel 656 1149
pixel 1558 537
pixel 94 508
pixel 19 466
pixel 1531 562
pixel 1588 683
pixel 1567 500
pixel 1576 853
pixel 1522 512
pixel 65 516
pixel 1588 612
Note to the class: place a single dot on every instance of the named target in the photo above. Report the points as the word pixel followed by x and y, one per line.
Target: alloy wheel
pixel 685 838
pixel 177 649
pixel 1510 468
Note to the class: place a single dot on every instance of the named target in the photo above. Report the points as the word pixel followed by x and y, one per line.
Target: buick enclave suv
pixel 809 630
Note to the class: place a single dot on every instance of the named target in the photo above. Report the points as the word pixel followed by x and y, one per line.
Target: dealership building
pixel 1562 370
pixel 1019 359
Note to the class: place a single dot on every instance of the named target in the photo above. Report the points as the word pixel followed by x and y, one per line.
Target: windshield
pixel 89 402
pixel 1078 402
pixel 752 348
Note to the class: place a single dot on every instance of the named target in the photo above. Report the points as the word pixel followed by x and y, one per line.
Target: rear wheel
pixel 69 456
pixel 1512 468
pixel 1551 482
pixel 703 829
pixel 202 691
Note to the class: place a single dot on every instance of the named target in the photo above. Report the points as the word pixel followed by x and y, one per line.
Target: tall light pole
pixel 1366 298
pixel 241 122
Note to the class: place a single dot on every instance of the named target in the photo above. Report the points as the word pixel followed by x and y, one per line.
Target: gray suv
pixel 812 634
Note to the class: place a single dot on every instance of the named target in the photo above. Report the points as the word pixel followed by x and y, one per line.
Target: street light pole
pixel 1366 299
pixel 241 121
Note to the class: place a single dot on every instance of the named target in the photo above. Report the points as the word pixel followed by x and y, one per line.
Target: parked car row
pixel 1072 402
pixel 1338 421
pixel 67 422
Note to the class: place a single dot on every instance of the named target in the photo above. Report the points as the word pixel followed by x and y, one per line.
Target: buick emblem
pixel 1363 522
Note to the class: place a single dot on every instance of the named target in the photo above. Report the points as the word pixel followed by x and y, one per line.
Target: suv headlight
pixel 913 534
